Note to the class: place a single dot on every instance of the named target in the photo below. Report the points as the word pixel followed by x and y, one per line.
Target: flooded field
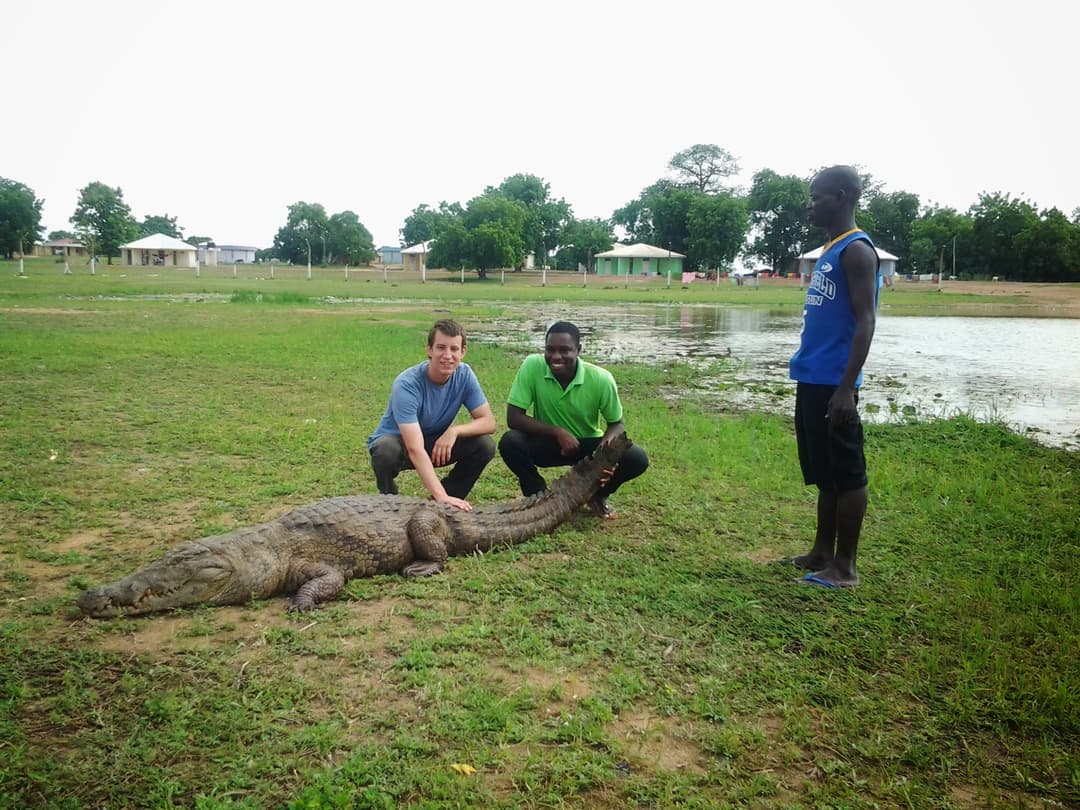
pixel 1024 372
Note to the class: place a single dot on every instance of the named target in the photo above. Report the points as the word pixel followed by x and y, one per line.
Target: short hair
pixel 448 327
pixel 842 178
pixel 565 328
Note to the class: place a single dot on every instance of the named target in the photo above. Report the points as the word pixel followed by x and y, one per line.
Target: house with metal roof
pixel 639 259
pixel 414 257
pixel 389 255
pixel 809 259
pixel 60 247
pixel 159 250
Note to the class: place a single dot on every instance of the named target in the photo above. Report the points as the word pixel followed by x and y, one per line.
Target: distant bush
pixel 256 297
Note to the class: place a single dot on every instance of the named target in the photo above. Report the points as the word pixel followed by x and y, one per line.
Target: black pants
pixel 469 457
pixel 524 452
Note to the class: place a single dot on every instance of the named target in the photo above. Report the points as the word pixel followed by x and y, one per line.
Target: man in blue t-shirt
pixel 418 430
pixel 838 325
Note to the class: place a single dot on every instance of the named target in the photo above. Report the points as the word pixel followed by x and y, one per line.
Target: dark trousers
pixel 524 452
pixel 831 458
pixel 469 457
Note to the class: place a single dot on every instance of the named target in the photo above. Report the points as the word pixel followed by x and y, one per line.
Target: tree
pixel 582 240
pixel 636 217
pixel 451 247
pixel 686 220
pixel 671 214
pixel 20 217
pixel 893 215
pixel 704 166
pixel 426 223
pixel 545 218
pixel 304 230
pixel 350 242
pixel 55 235
pixel 998 222
pixel 932 238
pixel 496 227
pixel 716 227
pixel 1050 249
pixel 489 234
pixel 777 206
pixel 102 220
pixel 162 223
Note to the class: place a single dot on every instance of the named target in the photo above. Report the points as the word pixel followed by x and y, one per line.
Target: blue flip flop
pixel 814 579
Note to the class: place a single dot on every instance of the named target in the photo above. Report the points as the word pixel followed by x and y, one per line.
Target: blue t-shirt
pixel 415 399
pixel 828 320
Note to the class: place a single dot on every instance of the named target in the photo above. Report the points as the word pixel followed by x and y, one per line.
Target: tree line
pixel 694 210
pixel 102 221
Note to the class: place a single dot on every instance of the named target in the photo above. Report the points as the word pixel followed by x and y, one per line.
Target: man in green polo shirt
pixel 569 397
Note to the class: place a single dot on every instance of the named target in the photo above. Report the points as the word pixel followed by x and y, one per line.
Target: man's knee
pixel 513 444
pixel 634 462
pixel 386 454
pixel 484 448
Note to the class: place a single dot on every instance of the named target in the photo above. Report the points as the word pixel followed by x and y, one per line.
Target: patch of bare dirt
pixel 765 555
pixel 246 628
pixel 1058 299
pixel 970 797
pixel 52 311
pixel 657 743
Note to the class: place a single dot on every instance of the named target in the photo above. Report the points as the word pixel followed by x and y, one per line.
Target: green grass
pixel 656 662
pixel 253 283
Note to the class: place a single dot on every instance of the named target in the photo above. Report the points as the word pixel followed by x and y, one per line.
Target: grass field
pixel 657 661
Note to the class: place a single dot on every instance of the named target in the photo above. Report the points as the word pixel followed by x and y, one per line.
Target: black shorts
pixel 831 458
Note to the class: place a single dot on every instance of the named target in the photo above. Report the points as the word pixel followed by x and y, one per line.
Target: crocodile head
pixel 189 574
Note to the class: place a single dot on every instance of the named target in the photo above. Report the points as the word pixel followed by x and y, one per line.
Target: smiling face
pixel 561 353
pixel 444 355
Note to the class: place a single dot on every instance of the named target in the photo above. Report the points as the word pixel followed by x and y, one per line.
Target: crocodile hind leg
pixel 428 533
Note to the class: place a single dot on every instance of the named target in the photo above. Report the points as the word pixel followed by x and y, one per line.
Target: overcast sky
pixel 224 113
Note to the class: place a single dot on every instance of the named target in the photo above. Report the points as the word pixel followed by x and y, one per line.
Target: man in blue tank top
pixel 838 325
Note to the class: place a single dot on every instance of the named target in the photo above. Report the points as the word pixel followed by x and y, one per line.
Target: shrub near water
pixel 659 661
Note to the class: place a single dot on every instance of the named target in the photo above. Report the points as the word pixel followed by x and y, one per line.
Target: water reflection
pixel 1022 371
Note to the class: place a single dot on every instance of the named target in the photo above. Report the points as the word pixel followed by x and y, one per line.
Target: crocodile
pixel 311 551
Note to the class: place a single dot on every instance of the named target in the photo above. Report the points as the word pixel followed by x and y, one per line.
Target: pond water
pixel 1024 372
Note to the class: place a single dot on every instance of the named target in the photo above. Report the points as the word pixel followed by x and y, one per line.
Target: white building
pixel 414 257
pixel 159 250
pixel 809 259
pixel 211 254
pixel 227 254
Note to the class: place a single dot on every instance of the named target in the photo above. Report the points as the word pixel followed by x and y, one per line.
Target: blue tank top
pixel 828 320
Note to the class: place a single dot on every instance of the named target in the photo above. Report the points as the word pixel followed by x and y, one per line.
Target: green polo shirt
pixel 579 407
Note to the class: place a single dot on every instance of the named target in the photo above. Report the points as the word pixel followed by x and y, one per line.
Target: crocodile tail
pixel 520 519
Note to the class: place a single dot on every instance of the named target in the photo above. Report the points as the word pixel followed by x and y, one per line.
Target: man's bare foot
pixel 831 577
pixel 600 507
pixel 809 562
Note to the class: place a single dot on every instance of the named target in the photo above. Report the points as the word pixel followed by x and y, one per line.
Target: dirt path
pixel 1053 296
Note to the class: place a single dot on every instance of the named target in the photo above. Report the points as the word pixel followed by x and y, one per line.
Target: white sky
pixel 224 113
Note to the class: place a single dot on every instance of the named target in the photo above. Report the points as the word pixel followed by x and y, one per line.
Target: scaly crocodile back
pixel 313 550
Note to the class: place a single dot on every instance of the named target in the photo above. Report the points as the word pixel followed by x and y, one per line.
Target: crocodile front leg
pixel 428 532
pixel 322 583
